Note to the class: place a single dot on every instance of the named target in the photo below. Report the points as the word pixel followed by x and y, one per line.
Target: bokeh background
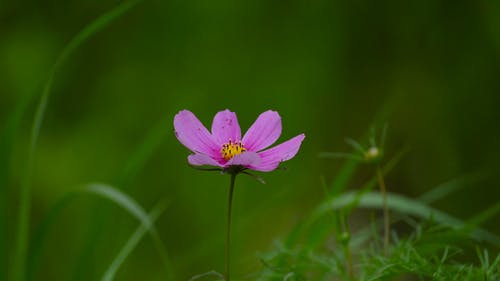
pixel 430 69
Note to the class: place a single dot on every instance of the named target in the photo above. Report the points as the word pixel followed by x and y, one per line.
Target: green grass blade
pixel 36 246
pixel 113 195
pixel 451 186
pixel 402 205
pixel 138 159
pixel 208 274
pixel 6 148
pixel 318 231
pixel 121 199
pixel 127 203
pixel 485 215
pixel 124 179
pixel 439 192
pixel 395 202
pixel 339 184
pixel 21 246
pixel 132 242
pixel 343 177
pixel 136 162
pixel 473 223
pixel 7 141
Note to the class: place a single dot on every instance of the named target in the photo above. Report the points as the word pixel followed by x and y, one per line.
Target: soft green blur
pixel 429 69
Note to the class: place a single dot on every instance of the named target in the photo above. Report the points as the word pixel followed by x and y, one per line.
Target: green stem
pixel 228 229
pixel 348 256
pixel 383 190
pixel 346 237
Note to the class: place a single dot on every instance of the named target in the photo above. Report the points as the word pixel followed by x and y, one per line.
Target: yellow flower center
pixel 231 149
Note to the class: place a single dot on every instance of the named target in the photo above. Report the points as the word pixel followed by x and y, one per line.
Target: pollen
pixel 231 149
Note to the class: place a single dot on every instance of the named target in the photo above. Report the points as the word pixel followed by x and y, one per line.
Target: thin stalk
pixel 345 239
pixel 348 256
pixel 383 190
pixel 228 229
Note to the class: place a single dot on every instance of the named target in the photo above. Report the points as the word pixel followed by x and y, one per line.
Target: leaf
pixel 451 186
pixel 141 155
pixel 132 242
pixel 133 208
pixel 113 195
pixel 41 233
pixel 403 205
pixel 206 274
pixel 318 231
pixel 121 199
pixel 21 246
pixel 395 202
pixel 440 191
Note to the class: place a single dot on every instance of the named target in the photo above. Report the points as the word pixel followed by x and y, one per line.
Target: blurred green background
pixel 430 69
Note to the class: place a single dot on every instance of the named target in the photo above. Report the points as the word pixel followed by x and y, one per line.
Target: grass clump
pixel 424 243
pixel 423 254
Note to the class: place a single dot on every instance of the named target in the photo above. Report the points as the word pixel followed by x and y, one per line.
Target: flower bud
pixel 373 155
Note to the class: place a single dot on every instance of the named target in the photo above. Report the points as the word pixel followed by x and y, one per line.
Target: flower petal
pixel 225 127
pixel 246 159
pixel 272 157
pixel 193 135
pixel 199 159
pixel 263 132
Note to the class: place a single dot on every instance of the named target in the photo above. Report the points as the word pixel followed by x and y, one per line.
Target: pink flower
pixel 224 147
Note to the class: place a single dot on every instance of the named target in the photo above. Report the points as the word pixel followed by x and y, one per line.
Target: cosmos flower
pixel 225 148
